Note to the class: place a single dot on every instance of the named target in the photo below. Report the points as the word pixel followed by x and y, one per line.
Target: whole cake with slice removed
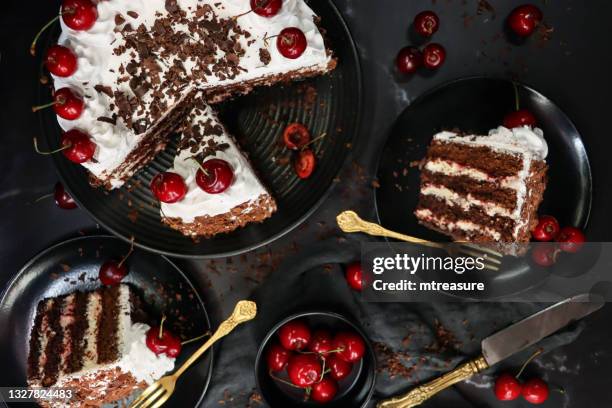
pixel 484 188
pixel 138 67
pixel 95 344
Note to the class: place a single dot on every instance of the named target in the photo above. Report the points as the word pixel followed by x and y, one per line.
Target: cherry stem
pixel 274 377
pixel 199 165
pixel 314 140
pixel 42 30
pixel 326 353
pixel 243 14
pixel 68 146
pixel 128 254
pixel 207 334
pixel 266 38
pixel 41 107
pixel 161 326
pixel 529 360
pixel 517 100
pixel 322 370
pixel 39 199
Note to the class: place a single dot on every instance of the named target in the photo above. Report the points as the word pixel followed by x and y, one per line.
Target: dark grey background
pixel 572 69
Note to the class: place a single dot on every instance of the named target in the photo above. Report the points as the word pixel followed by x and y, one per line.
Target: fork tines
pixel 152 397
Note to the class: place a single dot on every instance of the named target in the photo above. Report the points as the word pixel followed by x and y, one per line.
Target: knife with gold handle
pixel 502 345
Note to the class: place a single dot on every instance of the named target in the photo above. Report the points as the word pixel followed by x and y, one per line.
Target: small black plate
pixel 73 265
pixel 354 391
pixel 477 105
pixel 329 104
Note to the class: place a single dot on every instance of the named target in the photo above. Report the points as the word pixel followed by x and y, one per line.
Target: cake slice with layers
pixel 95 344
pixel 223 191
pixel 484 188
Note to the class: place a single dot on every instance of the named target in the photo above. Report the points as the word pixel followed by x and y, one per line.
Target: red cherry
pixel 66 104
pixel 351 346
pixel 535 391
pixel 61 61
pixel 304 163
pixel 215 176
pixel 524 19
pixel 507 388
pixel 294 335
pixel 277 358
pixel 62 198
pixel 544 255
pixel 324 391
pixel 167 343
pixel 408 60
pixel 291 42
pixel 168 187
pixel 304 370
pixel 78 146
pixel 354 276
pixel 547 229
pixel 571 239
pixel 112 272
pixel 266 8
pixel 519 118
pixel 296 136
pixel 174 347
pixel 321 342
pixel 79 15
pixel 339 369
pixel 434 56
pixel 426 23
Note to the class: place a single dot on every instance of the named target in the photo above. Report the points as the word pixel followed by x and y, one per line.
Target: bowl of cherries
pixel 313 359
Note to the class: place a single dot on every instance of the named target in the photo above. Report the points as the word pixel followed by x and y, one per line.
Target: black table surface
pixel 572 68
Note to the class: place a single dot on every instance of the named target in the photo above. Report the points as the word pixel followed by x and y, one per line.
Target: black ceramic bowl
pixel 354 391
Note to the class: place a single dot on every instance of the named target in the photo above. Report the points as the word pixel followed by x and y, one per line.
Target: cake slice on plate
pixel 95 344
pixel 484 188
pixel 223 191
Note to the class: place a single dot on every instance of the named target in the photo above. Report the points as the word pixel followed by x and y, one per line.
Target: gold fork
pixel 159 392
pixel 349 221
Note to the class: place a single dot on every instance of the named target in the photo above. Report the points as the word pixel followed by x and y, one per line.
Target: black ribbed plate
pixel 476 105
pixel 329 104
pixel 73 265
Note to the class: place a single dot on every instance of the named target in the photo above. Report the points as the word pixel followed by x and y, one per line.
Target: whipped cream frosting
pixel 99 65
pixel 246 187
pixel 522 140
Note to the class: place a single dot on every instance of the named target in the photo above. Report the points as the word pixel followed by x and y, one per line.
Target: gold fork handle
pixel 422 393
pixel 349 221
pixel 243 312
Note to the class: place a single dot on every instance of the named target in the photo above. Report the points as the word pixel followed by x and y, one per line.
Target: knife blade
pixel 502 345
pixel 531 330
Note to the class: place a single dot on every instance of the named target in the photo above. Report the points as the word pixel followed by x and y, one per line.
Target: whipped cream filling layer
pixel 450 168
pixel 246 187
pixel 451 197
pixel 99 65
pixel 462 225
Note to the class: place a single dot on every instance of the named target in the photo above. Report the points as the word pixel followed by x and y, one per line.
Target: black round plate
pixel 330 104
pixel 354 391
pixel 477 105
pixel 73 265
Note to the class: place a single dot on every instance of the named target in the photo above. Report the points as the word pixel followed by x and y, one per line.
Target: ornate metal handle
pixel 422 393
pixel 349 221
pixel 244 311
